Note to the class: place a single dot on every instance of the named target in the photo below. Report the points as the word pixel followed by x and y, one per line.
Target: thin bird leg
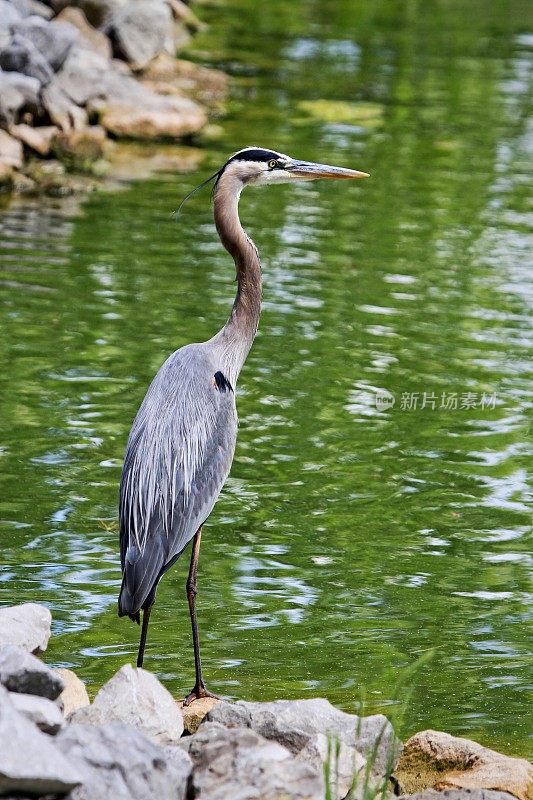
pixel 144 631
pixel 199 687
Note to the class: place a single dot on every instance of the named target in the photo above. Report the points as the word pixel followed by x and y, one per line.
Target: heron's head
pixel 259 167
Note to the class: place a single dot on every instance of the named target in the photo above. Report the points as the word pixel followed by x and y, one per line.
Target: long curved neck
pixel 237 335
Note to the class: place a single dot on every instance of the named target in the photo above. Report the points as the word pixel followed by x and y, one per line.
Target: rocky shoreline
pixel 76 77
pixel 135 742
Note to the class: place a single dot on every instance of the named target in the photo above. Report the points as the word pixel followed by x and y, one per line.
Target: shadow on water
pixel 349 539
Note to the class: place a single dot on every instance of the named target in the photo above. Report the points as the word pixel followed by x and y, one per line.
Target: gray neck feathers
pixel 237 335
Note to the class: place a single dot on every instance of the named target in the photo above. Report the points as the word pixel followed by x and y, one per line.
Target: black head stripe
pixel 254 154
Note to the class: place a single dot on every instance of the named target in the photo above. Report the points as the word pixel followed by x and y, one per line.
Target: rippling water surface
pixel 353 535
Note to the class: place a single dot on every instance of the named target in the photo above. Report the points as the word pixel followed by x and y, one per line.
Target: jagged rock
pixel 61 110
pixel 459 794
pixel 10 157
pixel 42 712
pixel 21 55
pixel 432 759
pixel 118 762
pixel 22 672
pixel 90 37
pixel 52 39
pixel 39 139
pixel 135 697
pixel 74 695
pixel 296 724
pixel 241 764
pixel 140 30
pixel 96 11
pixel 30 762
pixel 194 713
pixel 27 625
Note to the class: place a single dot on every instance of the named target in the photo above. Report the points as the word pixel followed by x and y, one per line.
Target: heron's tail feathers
pixel 141 573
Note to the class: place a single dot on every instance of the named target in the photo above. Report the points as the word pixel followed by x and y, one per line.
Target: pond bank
pixel 75 78
pixel 135 741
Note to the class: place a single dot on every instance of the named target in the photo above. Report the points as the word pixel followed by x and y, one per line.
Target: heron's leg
pixel 192 590
pixel 144 631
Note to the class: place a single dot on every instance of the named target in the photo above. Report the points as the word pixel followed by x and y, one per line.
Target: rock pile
pixel 74 74
pixel 135 742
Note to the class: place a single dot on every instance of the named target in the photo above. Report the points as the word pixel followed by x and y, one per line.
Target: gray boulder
pixel 118 762
pixel 135 697
pixel 30 762
pixel 8 15
pixel 21 55
pixel 296 724
pixel 42 712
pixel 52 39
pixel 24 673
pixel 240 764
pixel 62 111
pixel 140 30
pixel 16 95
pixel 27 625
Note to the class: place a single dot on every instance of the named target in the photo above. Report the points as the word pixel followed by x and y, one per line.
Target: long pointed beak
pixel 308 171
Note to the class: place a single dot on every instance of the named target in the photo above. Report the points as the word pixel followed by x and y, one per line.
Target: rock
pixel 85 76
pixel 18 93
pixel 21 55
pixel 10 156
pixel 30 762
pixel 39 139
pixel 432 759
pixel 459 794
pixel 11 100
pixel 22 6
pixel 40 9
pixel 29 88
pixel 241 764
pixel 140 30
pixel 61 110
pixel 183 13
pixel 137 122
pixel 8 15
pixel 90 37
pixel 74 695
pixel 42 712
pixel 119 763
pixel 194 713
pixel 22 672
pixel 168 75
pixel 135 697
pixel 96 11
pixel 80 148
pixel 52 39
pixel 296 724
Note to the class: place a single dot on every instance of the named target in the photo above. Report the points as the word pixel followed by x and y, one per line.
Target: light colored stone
pixel 194 713
pixel 135 697
pixel 140 30
pixel 168 75
pixel 119 763
pixel 40 9
pixel 74 695
pixel 433 759
pixel 62 111
pixel 42 712
pixel 8 15
pixel 151 123
pixel 10 156
pixel 241 765
pixel 30 762
pixel 39 139
pixel 91 37
pixel 52 39
pixel 22 672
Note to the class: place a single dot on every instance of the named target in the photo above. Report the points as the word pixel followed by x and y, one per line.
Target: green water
pixel 349 540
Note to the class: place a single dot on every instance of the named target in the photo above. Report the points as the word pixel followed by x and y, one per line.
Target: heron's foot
pixel 197 693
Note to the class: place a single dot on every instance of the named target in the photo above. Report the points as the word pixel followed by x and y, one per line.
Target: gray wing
pixel 178 456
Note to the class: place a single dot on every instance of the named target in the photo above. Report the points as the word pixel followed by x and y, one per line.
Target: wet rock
pixel 52 39
pixel 38 139
pixel 140 30
pixel 42 712
pixel 239 763
pixel 21 55
pixel 432 759
pixel 118 762
pixel 74 695
pixel 80 148
pixel 135 697
pixel 459 794
pixel 90 37
pixel 194 713
pixel 61 110
pixel 30 762
pixel 22 672
pixel 10 157
pixel 296 724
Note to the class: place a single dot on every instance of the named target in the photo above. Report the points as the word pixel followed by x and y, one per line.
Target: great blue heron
pixel 182 441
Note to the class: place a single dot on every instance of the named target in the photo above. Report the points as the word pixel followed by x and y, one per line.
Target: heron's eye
pixel 272 163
